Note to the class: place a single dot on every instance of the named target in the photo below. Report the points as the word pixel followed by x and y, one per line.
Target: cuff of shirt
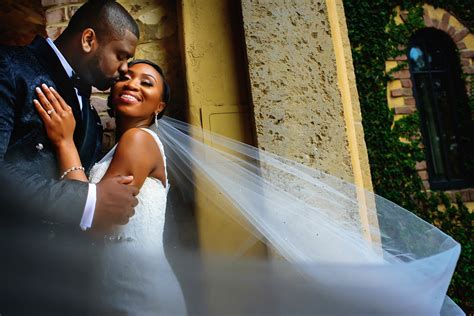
pixel 88 215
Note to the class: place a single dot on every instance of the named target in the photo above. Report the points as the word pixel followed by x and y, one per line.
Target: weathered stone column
pixel 294 78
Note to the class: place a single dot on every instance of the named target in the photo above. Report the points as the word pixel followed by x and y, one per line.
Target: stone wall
pixel 159 42
pixel 293 80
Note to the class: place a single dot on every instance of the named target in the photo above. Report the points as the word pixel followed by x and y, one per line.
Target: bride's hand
pixel 57 116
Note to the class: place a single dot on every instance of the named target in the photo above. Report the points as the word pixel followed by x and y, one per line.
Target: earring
pixel 156 119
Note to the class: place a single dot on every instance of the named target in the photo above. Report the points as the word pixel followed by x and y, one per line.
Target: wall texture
pixel 293 79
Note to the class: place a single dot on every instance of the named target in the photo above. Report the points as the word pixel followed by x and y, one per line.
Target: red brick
pixel 426 184
pixel 465 62
pixel 471 193
pixel 404 110
pixel 445 21
pixel 468 70
pixel 435 23
pixel 423 175
pixel 461 34
pixel 410 101
pixel 451 31
pixel 465 196
pixel 407 83
pixel 461 45
pixel 421 165
pixel 401 58
pixel 401 92
pixel 402 74
pixel 428 21
pixel 467 54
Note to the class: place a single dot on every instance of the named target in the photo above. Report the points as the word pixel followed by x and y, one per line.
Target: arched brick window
pixel 441 100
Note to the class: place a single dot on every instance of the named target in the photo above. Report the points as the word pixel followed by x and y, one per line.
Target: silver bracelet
pixel 65 173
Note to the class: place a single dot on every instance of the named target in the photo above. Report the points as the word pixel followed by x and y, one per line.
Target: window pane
pixel 417 59
pixel 424 96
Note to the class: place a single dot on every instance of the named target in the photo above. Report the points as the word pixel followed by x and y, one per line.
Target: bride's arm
pixel 60 126
pixel 137 154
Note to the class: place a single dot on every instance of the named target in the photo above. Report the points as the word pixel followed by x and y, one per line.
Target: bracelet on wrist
pixel 65 173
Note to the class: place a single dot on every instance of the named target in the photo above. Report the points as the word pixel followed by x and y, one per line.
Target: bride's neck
pixel 123 125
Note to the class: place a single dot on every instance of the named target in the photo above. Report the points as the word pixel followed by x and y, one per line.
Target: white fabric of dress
pixel 137 277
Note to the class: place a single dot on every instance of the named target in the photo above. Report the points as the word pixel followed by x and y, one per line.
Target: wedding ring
pixel 50 111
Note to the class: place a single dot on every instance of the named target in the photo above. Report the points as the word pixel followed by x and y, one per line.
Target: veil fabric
pixel 334 248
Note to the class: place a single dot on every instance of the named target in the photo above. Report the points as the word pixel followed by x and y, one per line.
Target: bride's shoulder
pixel 136 135
pixel 136 140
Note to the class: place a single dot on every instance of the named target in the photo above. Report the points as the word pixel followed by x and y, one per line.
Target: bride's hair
pixel 166 88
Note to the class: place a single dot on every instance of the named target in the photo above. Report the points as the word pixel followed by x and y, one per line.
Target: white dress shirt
pixel 88 214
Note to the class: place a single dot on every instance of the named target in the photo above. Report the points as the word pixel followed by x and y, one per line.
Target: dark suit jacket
pixel 27 159
pixel 47 262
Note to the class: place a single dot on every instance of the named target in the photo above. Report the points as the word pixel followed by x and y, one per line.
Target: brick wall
pixel 400 89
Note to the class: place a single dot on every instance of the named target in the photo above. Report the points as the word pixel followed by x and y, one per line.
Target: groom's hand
pixel 115 203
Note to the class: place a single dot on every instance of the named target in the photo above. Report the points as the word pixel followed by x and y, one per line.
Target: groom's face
pixel 109 61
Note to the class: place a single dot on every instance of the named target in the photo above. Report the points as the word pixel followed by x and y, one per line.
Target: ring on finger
pixel 50 111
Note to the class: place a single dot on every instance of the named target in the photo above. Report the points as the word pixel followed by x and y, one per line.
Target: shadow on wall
pixel 21 21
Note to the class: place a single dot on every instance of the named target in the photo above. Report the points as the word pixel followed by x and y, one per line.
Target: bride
pixel 136 274
pixel 334 248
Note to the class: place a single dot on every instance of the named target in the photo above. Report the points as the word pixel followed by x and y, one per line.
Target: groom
pixel 35 206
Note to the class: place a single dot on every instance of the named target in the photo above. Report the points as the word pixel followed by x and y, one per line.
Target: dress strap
pixel 160 146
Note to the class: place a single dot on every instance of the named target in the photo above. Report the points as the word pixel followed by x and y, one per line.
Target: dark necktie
pixel 84 91
pixel 83 88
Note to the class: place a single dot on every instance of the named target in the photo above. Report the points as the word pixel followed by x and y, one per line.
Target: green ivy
pixel 376 38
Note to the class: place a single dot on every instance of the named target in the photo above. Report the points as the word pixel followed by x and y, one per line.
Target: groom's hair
pixel 106 17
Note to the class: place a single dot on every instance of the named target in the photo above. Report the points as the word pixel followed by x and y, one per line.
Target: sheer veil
pixel 334 248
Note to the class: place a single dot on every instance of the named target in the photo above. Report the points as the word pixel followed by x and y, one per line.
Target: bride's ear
pixel 160 107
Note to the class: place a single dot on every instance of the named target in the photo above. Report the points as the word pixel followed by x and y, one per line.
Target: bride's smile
pixel 137 96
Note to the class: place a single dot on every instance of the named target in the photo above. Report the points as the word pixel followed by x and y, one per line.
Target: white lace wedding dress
pixel 137 277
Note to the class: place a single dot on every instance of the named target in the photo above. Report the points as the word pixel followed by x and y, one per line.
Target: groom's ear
pixel 88 40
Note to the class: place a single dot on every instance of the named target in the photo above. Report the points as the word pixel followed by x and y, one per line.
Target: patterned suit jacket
pixel 28 164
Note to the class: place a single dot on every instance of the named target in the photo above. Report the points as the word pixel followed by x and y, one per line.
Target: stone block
pixel 401 92
pixel 55 15
pixel 421 165
pixel 451 31
pixel 445 21
pixel 467 54
pixel 402 74
pixel 407 83
pixel 461 45
pixel 427 20
pixel 461 34
pixel 423 174
pixel 410 101
pixel 404 110
pixel 465 195
pixel 435 23
pixel 426 184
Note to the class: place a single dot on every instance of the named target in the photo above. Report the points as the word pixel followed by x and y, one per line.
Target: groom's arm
pixel 27 190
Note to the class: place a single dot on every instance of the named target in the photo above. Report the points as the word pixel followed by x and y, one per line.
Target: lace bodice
pixel 150 212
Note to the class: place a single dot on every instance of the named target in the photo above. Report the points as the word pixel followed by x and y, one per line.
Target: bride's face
pixel 139 93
